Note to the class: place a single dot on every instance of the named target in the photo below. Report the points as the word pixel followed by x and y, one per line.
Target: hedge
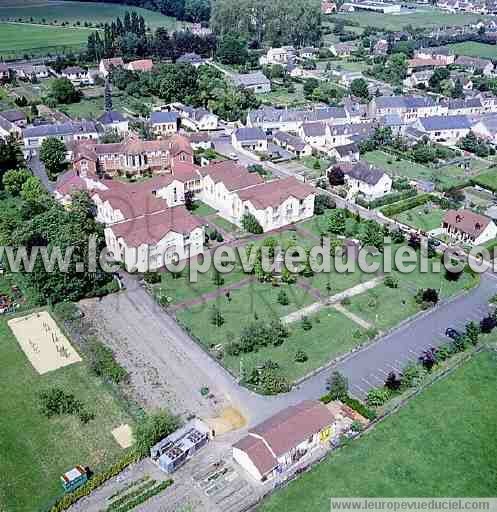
pixel 358 406
pixel 145 496
pixel 407 204
pixel 94 482
pixel 394 197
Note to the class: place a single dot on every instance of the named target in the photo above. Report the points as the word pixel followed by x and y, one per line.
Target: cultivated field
pixel 423 18
pixel 72 12
pixel 35 450
pixel 441 444
pixel 17 39
pixel 474 49
pixel 424 217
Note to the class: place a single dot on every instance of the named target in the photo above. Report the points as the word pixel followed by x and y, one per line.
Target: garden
pixel 426 217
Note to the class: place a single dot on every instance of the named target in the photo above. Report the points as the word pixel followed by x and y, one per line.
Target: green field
pixel 474 49
pixel 34 450
pixel 16 39
pixel 72 12
pixel 441 444
pixel 443 177
pixel 424 217
pixel 423 18
pixel 487 180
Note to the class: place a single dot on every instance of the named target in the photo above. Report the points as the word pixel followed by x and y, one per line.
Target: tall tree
pixel 53 156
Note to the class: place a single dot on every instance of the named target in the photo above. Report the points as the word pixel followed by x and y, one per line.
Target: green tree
pixel 336 222
pixel 251 224
pixel 216 316
pixel 152 428
pixel 53 156
pixel 14 179
pixel 63 91
pixel 338 386
pixel 10 154
pixel 283 297
pixel 373 235
pixel 232 49
pixel 359 88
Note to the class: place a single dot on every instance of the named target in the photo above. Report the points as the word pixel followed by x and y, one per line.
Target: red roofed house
pixel 469 227
pixel 106 65
pixel 284 439
pixel 140 65
pixel 131 157
pixel 152 240
pixel 233 191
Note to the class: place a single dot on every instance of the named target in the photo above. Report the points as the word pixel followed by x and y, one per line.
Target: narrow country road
pixel 365 368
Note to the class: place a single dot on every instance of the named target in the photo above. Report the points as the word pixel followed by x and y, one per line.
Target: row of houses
pixel 146 222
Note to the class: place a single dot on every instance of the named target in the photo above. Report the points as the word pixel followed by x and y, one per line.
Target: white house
pixel 346 153
pixel 113 120
pixel 365 180
pixel 255 81
pixel 280 56
pixel 164 123
pixel 313 134
pixel 444 128
pixel 469 227
pixel 276 203
pixel 292 143
pixel 486 128
pixel 284 439
pixel 77 75
pixel 196 119
pixel 153 240
pixel 249 139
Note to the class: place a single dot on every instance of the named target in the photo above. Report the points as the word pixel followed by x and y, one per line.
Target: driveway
pixel 38 170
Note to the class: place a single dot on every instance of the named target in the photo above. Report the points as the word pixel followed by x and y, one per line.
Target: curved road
pixel 365 368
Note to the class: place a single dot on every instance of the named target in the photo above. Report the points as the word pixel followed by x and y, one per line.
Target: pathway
pixel 317 306
pixel 358 320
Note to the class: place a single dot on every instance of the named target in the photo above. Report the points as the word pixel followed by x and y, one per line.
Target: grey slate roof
pixel 163 117
pixel 295 142
pixel 111 117
pixel 249 134
pixel 5 124
pixel 60 129
pixel 364 172
pixel 249 79
pixel 347 149
pixel 472 62
pixel 455 104
pixel 191 58
pixel 271 114
pixel 13 115
pixel 445 123
pixel 404 102
pixel 314 129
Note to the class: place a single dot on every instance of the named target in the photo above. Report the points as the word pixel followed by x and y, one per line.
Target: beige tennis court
pixel 43 342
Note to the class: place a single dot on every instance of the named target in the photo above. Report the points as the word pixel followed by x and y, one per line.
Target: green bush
pixel 55 402
pixel 377 397
pixel 406 204
pixel 102 362
pixel 152 277
pixel 251 224
pixel 359 407
pixel 152 428
pixel 66 311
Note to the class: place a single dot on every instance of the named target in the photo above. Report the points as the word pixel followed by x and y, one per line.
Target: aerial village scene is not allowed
pixel 247 254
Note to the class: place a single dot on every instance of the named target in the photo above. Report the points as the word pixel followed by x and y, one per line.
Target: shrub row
pixel 144 487
pixel 407 204
pixel 358 406
pixel 130 505
pixel 95 481
pixel 393 197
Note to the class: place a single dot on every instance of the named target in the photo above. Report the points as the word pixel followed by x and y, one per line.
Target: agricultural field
pixel 443 177
pixel 423 17
pixel 474 49
pixel 36 450
pixel 18 39
pixel 57 11
pixel 406 456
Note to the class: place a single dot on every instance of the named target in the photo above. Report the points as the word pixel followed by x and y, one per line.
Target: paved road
pixel 364 369
pixel 38 169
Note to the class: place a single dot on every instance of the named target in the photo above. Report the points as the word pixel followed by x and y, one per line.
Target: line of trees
pixel 129 38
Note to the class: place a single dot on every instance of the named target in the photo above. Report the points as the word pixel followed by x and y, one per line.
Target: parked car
pixel 233 156
pixel 452 333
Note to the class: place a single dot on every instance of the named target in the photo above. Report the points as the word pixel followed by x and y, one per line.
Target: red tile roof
pixel 258 452
pixel 295 424
pixel 234 176
pixel 467 221
pixel 418 63
pixel 152 228
pixel 113 62
pixel 141 65
pixel 274 193
pixel 70 182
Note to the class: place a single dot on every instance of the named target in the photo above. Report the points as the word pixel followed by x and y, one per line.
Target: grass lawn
pixel 18 39
pixel 331 334
pixel 441 444
pixel 422 217
pixel 224 224
pixel 474 49
pixel 385 307
pixel 73 12
pixel 424 17
pixel 203 210
pixel 487 180
pixel 279 96
pixel 444 177
pixel 34 450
